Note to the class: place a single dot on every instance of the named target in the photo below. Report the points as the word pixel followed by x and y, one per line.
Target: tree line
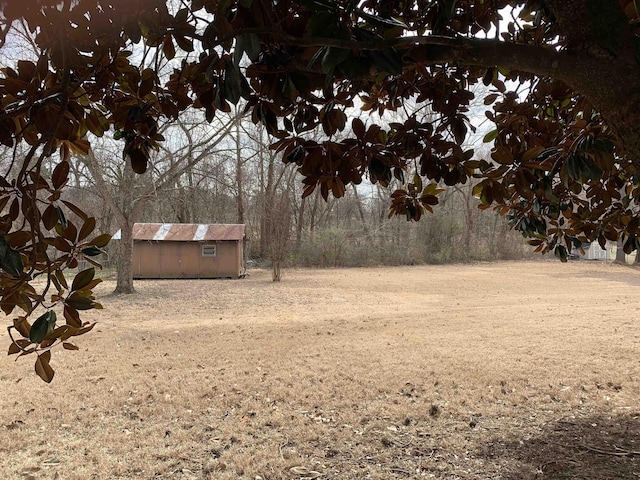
pixel 227 173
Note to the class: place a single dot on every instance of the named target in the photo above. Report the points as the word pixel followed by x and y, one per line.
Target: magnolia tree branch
pixel 612 91
pixel 593 24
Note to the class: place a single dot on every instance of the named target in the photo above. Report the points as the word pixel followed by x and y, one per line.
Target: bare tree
pixel 278 231
pixel 127 194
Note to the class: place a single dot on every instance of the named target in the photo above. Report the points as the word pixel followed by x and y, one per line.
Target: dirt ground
pixel 488 371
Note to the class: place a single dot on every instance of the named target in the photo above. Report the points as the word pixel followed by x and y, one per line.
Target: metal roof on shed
pixel 185 232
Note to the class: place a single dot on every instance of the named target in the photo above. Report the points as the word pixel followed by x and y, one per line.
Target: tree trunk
pixel 269 193
pixel 621 257
pixel 365 227
pixel 276 275
pixel 239 181
pixel 190 198
pixel 314 211
pixel 124 284
pixel 300 224
pixel 469 220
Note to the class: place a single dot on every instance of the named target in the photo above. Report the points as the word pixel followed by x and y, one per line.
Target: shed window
pixel 208 250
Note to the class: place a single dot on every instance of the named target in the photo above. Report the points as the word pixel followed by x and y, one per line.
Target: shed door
pixel 170 259
pixel 190 260
pixel 147 259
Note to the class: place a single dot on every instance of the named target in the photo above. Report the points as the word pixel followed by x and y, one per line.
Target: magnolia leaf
pixel 43 326
pixel 60 174
pixel 252 46
pixel 231 86
pixel 83 279
pixel 489 99
pixel 295 155
pixel 80 302
pixel 184 43
pixel 561 252
pixel 332 57
pixel 87 227
pixel 61 217
pixel 490 137
pixel 72 316
pixel 75 209
pixel 43 369
pixel 14 348
pixel 10 259
pixel 92 251
pixel 49 217
pixel 168 48
pixel 101 240
pixel 138 161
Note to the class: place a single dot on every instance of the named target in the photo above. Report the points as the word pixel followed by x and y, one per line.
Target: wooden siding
pixel 168 259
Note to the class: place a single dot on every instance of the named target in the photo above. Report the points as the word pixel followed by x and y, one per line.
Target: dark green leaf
pixel 459 130
pixel 488 77
pixel 61 217
pixel 252 46
pixel 10 260
pixel 489 99
pixel 334 56
pixel 561 252
pixel 83 278
pixel 490 137
pixel 43 326
pixel 12 263
pixel 248 43
pixel 295 154
pixel 92 251
pixel 232 86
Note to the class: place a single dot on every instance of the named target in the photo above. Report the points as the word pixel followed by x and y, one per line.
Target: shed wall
pixel 166 259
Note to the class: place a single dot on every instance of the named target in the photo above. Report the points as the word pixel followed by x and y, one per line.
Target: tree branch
pixel 572 69
pixel 182 166
pixel 593 24
pixel 94 168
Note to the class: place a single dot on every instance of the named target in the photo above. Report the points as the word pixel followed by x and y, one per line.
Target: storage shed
pixel 593 251
pixel 180 250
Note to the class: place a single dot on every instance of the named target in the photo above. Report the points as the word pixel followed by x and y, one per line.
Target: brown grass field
pixel 487 371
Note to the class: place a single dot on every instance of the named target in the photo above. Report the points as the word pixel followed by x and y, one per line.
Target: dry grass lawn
pixel 489 371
